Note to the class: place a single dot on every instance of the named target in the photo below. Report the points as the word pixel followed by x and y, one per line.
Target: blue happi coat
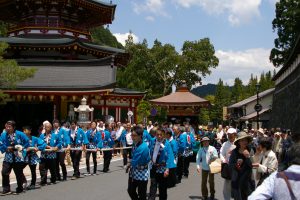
pixel 147 137
pixel 174 147
pixel 108 142
pixel 94 138
pixel 122 138
pixel 182 143
pixel 19 138
pixel 55 141
pixel 79 139
pixel 165 157
pixel 31 156
pixel 140 162
pixel 64 135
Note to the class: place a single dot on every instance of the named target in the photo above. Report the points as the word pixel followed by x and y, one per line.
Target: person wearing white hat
pixel 225 153
pixel 205 156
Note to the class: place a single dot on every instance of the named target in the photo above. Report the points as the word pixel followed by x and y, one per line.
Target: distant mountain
pixel 204 90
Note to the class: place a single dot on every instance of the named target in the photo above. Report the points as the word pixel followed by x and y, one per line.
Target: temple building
pixel 54 37
pixel 182 105
pixel 286 106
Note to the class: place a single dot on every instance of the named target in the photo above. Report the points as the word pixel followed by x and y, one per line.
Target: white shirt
pixel 155 151
pixel 149 128
pixel 220 136
pixel 129 140
pixel 267 189
pixel 119 132
pixel 226 150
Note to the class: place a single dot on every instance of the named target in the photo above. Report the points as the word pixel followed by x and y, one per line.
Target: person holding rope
pixel 61 154
pixel 126 141
pixel 78 142
pixel 162 159
pixel 13 143
pixel 48 158
pixel 94 143
pixel 108 142
pixel 138 166
pixel 31 157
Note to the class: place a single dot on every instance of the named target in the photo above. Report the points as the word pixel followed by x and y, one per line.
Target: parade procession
pixel 91 110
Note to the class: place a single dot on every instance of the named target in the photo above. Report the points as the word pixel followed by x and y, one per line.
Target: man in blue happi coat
pixel 162 159
pixel 172 179
pixel 31 157
pixel 61 154
pixel 48 156
pixel 108 142
pixel 139 166
pixel 94 143
pixel 12 143
pixel 126 141
pixel 188 151
pixel 78 142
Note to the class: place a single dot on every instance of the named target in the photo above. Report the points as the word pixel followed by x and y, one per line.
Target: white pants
pixel 227 189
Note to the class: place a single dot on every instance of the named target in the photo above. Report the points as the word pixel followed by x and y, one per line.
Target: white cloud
pixel 150 18
pixel 240 64
pixel 122 37
pixel 237 11
pixel 156 7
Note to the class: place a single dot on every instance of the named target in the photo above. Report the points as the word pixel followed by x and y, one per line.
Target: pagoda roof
pixel 182 97
pixel 71 78
pixel 98 11
pixel 57 43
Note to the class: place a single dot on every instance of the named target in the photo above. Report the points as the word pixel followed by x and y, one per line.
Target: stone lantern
pixel 84 113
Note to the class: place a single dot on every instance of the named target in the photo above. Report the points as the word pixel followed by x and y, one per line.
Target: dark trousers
pixel 44 166
pixel 6 170
pixel 60 160
pixel 186 165
pixel 33 174
pixel 179 168
pixel 172 178
pixel 140 186
pixel 126 155
pixel 205 175
pixel 153 184
pixel 107 157
pixel 76 156
pixel 162 185
pixel 94 155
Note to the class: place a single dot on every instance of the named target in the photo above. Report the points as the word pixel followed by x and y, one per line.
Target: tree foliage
pixel 156 69
pixel 11 73
pixel 103 36
pixel 287 25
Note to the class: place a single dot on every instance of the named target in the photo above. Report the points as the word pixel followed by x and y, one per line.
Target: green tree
pixel 238 90
pixel 11 73
pixel 143 110
pixel 156 69
pixel 287 25
pixel 222 99
pixel 251 87
pixel 206 114
pixel 103 36
pixel 3 29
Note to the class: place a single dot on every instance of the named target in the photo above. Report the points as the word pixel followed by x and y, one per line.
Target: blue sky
pixel 240 30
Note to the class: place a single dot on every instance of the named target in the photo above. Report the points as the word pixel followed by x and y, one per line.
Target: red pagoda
pixel 54 37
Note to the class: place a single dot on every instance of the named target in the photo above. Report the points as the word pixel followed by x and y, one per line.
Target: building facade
pixel 54 37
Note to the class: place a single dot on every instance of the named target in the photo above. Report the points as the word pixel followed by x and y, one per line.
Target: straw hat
pixel 205 139
pixel 243 135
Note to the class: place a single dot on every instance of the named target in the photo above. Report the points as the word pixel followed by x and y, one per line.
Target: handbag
pixel 215 166
pixel 225 171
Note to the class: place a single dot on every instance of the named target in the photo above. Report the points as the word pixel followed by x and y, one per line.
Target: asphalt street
pixel 113 186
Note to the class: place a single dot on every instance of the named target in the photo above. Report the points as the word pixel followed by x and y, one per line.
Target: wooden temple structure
pixel 54 37
pixel 182 105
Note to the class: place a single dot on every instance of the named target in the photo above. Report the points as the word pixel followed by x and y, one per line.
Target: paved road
pixel 112 186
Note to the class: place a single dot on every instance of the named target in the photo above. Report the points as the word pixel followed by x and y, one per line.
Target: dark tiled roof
pixel 69 77
pixel 252 98
pixel 57 42
pixel 127 91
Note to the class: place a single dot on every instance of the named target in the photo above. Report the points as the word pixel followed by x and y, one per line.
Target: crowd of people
pixel 156 154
